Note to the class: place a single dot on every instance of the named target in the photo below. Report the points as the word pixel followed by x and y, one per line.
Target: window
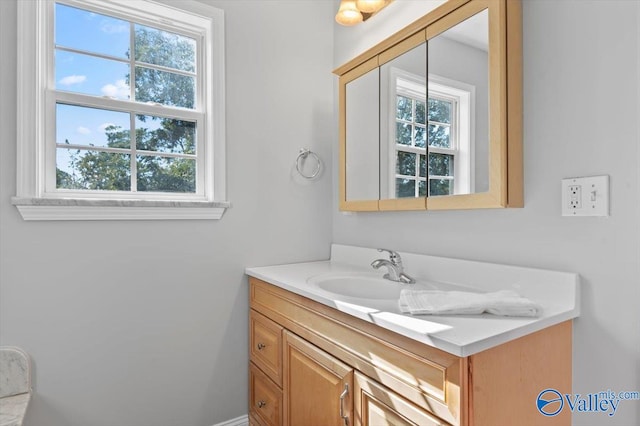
pixel 129 109
pixel 410 138
pixel 438 128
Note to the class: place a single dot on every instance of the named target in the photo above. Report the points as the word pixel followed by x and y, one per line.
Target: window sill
pixel 85 209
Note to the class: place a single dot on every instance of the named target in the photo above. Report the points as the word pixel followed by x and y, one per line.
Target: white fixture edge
pixel 238 421
pixel 61 209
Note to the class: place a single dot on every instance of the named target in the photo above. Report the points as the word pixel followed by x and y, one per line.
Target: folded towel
pixel 435 302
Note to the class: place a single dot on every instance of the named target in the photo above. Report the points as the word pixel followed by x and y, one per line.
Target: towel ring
pixel 304 153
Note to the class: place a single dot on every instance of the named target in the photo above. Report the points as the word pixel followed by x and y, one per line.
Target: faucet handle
pixel 393 256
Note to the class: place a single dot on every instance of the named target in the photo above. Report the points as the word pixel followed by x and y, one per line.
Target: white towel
pixel 435 302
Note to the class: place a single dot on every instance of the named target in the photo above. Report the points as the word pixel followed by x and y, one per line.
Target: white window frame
pixel 462 95
pixel 36 195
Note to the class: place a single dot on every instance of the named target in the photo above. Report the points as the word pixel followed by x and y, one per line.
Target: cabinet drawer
pixel 377 405
pixel 266 345
pixel 265 398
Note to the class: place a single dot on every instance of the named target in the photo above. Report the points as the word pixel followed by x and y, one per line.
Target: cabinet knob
pixel 261 346
pixel 261 404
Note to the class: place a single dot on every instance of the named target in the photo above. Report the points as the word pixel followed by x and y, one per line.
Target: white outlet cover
pixel 594 191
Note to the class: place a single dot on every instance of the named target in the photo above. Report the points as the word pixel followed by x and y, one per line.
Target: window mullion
pixel 166 69
pixel 81 99
pixel 132 62
pixel 93 148
pixel 166 154
pixel 416 176
pixel 411 149
pixel 439 150
pixel 92 54
pixel 133 140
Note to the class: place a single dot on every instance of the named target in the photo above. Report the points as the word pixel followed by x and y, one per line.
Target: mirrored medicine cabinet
pixel 431 118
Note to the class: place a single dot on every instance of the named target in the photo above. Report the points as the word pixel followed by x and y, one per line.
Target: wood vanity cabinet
pixel 313 365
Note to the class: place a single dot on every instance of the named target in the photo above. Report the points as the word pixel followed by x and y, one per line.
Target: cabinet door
pixel 375 405
pixel 317 387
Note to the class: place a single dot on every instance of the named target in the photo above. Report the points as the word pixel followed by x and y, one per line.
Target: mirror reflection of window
pixel 450 136
pixel 445 126
pixel 410 126
pixel 403 125
pixel 442 144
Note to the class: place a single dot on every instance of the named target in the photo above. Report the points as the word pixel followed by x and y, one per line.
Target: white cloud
pixel 119 90
pixel 72 79
pixel 113 28
pixel 83 130
pixel 104 126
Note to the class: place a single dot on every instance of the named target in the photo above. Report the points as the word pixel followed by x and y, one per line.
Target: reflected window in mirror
pixel 410 130
pixel 403 125
pixel 446 126
pixel 450 136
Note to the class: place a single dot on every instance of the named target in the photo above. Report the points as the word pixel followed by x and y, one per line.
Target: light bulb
pixel 370 6
pixel 348 14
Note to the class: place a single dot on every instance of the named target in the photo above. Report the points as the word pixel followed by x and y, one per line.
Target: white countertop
pixel 462 335
pixel 13 409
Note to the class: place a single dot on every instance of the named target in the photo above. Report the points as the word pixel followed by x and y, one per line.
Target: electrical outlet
pixel 575 197
pixel 585 196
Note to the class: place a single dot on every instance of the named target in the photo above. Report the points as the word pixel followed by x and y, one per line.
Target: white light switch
pixel 585 196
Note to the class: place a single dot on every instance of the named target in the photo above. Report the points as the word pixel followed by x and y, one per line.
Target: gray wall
pixel 581 109
pixel 145 323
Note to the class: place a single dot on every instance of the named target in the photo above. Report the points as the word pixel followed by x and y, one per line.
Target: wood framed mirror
pixel 431 118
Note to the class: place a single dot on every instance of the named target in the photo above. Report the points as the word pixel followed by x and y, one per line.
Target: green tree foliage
pixel 64 179
pixel 410 131
pixel 411 118
pixel 439 112
pixel 97 170
pixel 168 50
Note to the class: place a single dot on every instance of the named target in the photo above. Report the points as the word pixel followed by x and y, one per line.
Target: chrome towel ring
pixel 302 156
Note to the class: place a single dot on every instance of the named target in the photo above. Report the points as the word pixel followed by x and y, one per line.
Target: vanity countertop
pixel 13 409
pixel 462 335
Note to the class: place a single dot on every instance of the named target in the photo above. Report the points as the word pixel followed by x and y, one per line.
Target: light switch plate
pixel 585 196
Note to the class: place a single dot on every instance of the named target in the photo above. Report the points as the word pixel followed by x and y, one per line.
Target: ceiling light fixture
pixel 352 12
pixel 370 6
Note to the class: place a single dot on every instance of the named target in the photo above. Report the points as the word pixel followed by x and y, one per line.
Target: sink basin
pixel 358 286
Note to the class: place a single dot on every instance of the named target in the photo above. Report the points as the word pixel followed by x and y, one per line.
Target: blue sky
pixel 94 33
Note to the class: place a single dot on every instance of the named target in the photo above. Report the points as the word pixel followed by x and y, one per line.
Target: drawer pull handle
pixel 261 404
pixel 342 397
pixel 261 346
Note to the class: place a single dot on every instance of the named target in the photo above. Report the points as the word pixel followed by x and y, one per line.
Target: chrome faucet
pixel 394 267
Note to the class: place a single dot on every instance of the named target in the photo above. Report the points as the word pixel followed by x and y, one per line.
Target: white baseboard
pixel 238 421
